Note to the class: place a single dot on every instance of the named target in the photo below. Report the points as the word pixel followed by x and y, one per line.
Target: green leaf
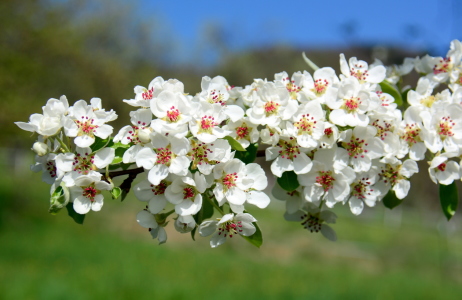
pixel 249 155
pixel 100 143
pixel 116 192
pixel 255 239
pixel 119 145
pixel 288 181
pixel 391 201
pixel 234 144
pixel 392 90
pixel 193 233
pixel 449 199
pixel 78 218
pixel 59 199
pixel 206 212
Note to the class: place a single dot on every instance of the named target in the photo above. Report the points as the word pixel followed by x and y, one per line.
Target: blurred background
pixel 103 48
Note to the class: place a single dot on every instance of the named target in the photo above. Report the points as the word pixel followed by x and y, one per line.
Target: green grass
pixel 111 257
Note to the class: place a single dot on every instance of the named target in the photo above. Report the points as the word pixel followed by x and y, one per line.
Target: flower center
pixel 173 115
pixel 445 127
pixel 360 188
pixel 391 174
pixel 160 188
pixel 443 66
pixel 189 192
pixel 358 74
pixel 311 222
pixel 230 228
pixel 382 128
pixel 206 124
pixel 90 192
pixel 306 124
pixel 242 132
pixel 86 126
pixel 412 133
pixel 355 147
pixel 442 167
pixel 51 168
pixel 320 86
pixel 351 104
pixel 325 180
pixel 229 180
pixel 164 156
pixel 83 164
pixel 293 89
pixel 290 149
pixel 271 108
pixel 134 137
pixel 199 155
pixel 216 97
pixel 148 94
pixel 428 101
pixel 328 132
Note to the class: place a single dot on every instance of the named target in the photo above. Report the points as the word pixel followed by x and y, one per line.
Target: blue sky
pixel 429 24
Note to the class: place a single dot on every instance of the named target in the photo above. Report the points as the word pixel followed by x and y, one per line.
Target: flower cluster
pixel 329 139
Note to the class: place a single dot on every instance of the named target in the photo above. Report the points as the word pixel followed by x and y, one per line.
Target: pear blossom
pixel 243 131
pixel 395 176
pixel 50 122
pixel 321 86
pixel 205 156
pixel 288 156
pixel 153 194
pixel 444 171
pixel 273 106
pixel 329 179
pixel 186 193
pixel 308 124
pixel 254 193
pixel 351 105
pixel 83 124
pixel 362 146
pixel 164 155
pixel 228 226
pixel 173 112
pixel 443 128
pixel 205 124
pixel 86 193
pixel 314 220
pixel 294 199
pixel 231 182
pixel 360 70
pixel 363 191
pixel 185 224
pixel 148 220
pixel 143 96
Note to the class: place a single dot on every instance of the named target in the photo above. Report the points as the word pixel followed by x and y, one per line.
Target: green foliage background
pixel 86 49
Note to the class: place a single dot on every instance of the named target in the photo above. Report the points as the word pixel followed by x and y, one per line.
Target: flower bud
pixel 144 135
pixel 184 224
pixel 40 148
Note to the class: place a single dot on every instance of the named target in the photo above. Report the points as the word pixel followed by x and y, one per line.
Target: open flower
pixel 228 226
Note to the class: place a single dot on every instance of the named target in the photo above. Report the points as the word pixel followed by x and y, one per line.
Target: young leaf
pixel 234 144
pixel 59 199
pixel 288 181
pixel 116 192
pixel 249 155
pixel 100 143
pixel 193 233
pixel 255 239
pixel 392 90
pixel 449 199
pixel 78 218
pixel 391 201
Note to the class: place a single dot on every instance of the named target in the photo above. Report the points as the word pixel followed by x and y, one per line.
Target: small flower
pixel 228 226
pixel 314 220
